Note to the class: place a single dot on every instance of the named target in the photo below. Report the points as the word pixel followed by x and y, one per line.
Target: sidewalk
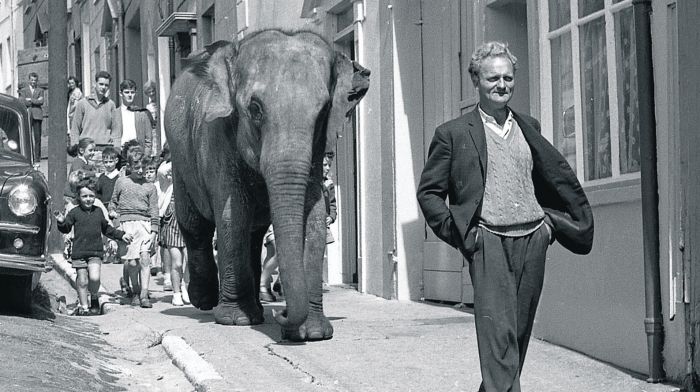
pixel 378 345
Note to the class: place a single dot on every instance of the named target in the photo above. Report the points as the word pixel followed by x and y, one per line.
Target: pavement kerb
pixel 196 370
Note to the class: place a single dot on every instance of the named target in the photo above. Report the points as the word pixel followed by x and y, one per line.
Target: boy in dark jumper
pixel 105 183
pixel 105 188
pixel 89 224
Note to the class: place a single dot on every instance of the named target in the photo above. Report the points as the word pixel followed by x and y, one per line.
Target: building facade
pixel 578 72
pixel 11 21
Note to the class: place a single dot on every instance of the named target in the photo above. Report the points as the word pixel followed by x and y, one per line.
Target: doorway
pixel 343 257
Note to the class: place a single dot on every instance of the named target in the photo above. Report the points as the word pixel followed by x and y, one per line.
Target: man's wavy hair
pixel 488 50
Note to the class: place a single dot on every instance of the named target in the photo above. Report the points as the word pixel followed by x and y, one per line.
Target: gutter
pixel 653 320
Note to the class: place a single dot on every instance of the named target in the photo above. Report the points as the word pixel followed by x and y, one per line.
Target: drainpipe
pixel 653 321
pixel 122 44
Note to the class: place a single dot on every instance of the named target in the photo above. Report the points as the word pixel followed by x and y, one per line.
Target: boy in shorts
pixel 135 203
pixel 89 223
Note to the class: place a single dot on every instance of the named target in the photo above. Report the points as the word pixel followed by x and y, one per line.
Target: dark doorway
pixel 345 171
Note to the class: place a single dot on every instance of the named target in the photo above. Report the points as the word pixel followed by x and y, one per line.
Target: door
pixel 345 171
pixel 447 43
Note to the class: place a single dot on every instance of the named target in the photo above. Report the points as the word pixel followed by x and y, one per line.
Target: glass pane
pixel 628 115
pixel 586 7
pixel 594 99
pixel 559 13
pixel 466 42
pixel 564 138
pixel 344 19
pixel 10 131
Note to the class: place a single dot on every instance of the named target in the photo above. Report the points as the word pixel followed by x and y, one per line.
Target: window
pixel 588 73
pixel 2 63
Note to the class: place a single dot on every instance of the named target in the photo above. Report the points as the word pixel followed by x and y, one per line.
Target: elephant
pixel 248 124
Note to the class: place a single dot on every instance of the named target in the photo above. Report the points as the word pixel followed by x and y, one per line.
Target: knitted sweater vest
pixel 509 206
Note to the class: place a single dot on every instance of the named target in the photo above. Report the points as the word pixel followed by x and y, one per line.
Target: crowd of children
pixel 128 198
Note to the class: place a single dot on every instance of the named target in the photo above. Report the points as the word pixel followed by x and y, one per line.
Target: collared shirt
pixel 128 125
pixel 491 123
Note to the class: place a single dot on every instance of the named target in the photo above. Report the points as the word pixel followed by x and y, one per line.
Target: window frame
pixel 608 12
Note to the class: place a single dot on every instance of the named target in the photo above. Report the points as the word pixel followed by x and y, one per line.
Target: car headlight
pixel 22 200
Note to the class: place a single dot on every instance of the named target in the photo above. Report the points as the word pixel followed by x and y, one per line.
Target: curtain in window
pixel 564 132
pixel 596 112
pixel 627 92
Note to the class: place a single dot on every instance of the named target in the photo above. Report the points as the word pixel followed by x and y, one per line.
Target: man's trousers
pixel 36 129
pixel 507 274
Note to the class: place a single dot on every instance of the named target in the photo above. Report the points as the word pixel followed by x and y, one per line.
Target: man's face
pixel 110 163
pixel 32 81
pixel 86 197
pixel 102 87
pixel 127 96
pixel 496 82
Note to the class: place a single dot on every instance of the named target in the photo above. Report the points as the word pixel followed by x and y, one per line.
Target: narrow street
pixel 523 165
pixel 48 350
pixel 378 345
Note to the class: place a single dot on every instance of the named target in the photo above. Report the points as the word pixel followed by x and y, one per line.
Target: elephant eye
pixel 256 111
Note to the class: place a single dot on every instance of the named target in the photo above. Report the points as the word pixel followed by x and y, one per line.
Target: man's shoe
pixel 94 307
pixel 146 303
pixel 177 299
pixel 135 301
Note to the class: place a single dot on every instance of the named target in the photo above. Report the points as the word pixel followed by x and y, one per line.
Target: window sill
pixel 624 191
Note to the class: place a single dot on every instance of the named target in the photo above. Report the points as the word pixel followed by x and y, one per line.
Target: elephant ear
pixel 351 84
pixel 219 72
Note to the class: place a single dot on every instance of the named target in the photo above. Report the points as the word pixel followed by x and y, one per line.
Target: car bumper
pixel 25 263
pixel 19 228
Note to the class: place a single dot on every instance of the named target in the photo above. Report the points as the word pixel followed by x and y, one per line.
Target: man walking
pixel 511 194
pixel 93 116
pixel 132 122
pixel 33 97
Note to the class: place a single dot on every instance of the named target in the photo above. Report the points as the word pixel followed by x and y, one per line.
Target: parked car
pixel 25 219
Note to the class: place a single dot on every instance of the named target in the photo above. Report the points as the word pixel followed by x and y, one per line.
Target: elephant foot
pixel 316 327
pixel 232 313
pixel 203 290
pixel 202 296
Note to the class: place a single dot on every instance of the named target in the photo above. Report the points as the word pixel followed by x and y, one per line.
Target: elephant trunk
pixel 287 192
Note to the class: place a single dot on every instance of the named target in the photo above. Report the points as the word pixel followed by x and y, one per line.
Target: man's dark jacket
pixel 456 168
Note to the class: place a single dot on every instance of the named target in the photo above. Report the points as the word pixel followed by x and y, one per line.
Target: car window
pixel 9 130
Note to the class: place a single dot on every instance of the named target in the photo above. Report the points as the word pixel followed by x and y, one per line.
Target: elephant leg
pixel 198 233
pixel 238 297
pixel 316 326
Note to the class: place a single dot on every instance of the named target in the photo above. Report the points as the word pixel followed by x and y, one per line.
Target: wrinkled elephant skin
pixel 248 125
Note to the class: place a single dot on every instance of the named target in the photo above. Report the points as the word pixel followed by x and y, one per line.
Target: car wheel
pixel 16 293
